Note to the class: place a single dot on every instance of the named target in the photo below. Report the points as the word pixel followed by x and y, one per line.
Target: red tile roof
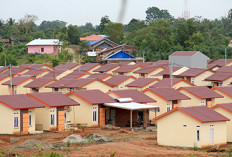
pixel 53 99
pixel 93 97
pixel 142 82
pixel 193 72
pixel 91 38
pixel 163 63
pixel 118 79
pixel 227 90
pixel 220 62
pixel 75 75
pixel 106 67
pixel 148 69
pixel 15 70
pixel 225 69
pixel 59 83
pixel 3 76
pixel 219 76
pixel 100 76
pixel 201 92
pixel 20 101
pixel 166 82
pixel 202 114
pixel 225 106
pixel 136 95
pixel 35 72
pixel 167 94
pixel 35 66
pixel 184 53
pixel 66 66
pixel 55 73
pixel 167 71
pixel 89 66
pixel 18 80
pixel 39 82
pixel 79 83
pixel 2 69
pixel 127 68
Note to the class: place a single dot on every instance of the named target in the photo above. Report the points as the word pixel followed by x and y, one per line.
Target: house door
pixel 209 102
pixel 174 104
pixel 60 120
pixel 112 116
pixel 102 117
pixel 24 121
pixel 211 136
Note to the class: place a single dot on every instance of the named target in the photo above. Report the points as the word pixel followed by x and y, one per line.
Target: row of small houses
pixel 126 92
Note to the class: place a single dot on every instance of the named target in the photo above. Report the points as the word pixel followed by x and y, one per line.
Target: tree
pixel 87 28
pixel 73 34
pixel 154 13
pixel 104 21
pixel 135 25
pixel 114 32
pixel 27 23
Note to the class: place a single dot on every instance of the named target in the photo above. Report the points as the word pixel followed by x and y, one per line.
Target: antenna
pixel 186 12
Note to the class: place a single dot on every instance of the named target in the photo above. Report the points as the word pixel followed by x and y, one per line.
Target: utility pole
pixel 5 59
pixel 143 56
pixel 225 57
pixel 171 71
pixel 11 92
pixel 79 62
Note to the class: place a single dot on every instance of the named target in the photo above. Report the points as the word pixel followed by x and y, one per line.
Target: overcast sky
pixel 79 12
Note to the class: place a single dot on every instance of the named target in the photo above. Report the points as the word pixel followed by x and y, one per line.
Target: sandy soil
pixel 125 143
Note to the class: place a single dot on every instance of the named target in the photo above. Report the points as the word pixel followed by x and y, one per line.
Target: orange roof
pixel 91 38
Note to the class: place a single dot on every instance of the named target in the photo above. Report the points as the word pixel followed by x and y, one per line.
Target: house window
pixel 168 109
pixel 42 49
pixel 198 135
pixel 14 90
pixel 142 75
pixel 35 90
pixel 55 89
pixel 193 80
pixel 65 117
pixel 158 110
pixel 94 114
pixel 71 90
pixel 52 119
pixel 30 120
pixel 16 122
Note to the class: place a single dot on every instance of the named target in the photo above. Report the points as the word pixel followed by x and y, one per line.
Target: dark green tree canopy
pixel 154 13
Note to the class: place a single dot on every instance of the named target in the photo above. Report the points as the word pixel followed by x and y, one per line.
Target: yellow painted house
pixel 107 68
pixel 197 126
pixel 18 114
pixel 176 83
pixel 167 98
pixel 37 73
pixel 57 111
pixel 200 96
pixel 90 67
pixel 38 85
pixel 142 83
pixel 226 110
pixel 150 71
pixel 67 85
pixel 3 88
pixel 119 81
pixel 226 92
pixel 18 84
pixel 91 111
pixel 197 76
pixel 220 79
pixel 128 70
pixel 37 66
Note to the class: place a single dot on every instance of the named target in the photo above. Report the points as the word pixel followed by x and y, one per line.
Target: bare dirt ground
pixel 124 144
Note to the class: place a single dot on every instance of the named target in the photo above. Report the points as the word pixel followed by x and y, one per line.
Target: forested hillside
pixel 157 36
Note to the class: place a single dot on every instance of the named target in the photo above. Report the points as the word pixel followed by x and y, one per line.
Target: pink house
pixel 48 46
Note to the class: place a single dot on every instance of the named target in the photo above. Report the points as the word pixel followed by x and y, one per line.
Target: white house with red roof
pixel 197 126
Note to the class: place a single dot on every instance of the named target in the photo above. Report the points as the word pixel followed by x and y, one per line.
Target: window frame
pixel 17 122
